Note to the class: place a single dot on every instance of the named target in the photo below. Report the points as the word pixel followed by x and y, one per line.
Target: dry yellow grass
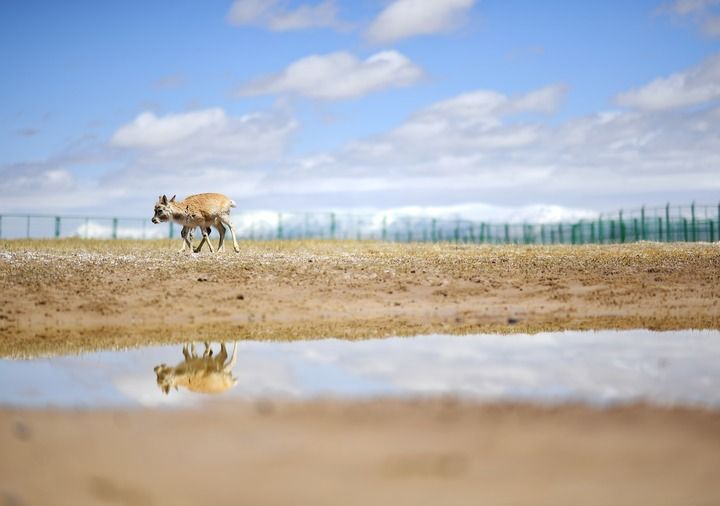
pixel 61 296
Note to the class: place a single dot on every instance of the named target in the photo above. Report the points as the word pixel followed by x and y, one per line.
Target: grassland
pixel 65 296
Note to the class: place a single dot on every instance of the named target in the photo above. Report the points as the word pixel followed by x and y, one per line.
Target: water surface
pixel 600 367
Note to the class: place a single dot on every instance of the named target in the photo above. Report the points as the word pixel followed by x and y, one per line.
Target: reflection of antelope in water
pixel 207 374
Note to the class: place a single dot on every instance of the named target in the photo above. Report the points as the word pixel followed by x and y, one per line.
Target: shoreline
pixel 74 296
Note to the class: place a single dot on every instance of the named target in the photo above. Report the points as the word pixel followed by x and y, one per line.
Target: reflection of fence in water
pixel 664 224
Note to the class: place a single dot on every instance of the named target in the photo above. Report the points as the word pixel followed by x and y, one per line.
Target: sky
pixel 310 105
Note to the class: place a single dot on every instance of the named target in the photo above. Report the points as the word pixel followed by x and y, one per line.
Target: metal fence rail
pixel 663 224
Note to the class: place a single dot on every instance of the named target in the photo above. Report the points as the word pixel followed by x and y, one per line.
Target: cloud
pixel 169 81
pixel 474 121
pixel 150 131
pixel 407 18
pixel 684 7
pixel 273 15
pixel 484 142
pixel 26 132
pixel 699 12
pixel 30 178
pixel 694 86
pixel 478 146
pixel 205 136
pixel 47 186
pixel 338 76
pixel 711 26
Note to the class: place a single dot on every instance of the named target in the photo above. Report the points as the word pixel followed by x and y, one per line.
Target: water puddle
pixel 600 367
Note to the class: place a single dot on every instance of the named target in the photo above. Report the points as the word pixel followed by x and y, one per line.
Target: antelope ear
pixel 164 200
pixel 173 199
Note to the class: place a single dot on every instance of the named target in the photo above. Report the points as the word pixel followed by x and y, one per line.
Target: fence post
pixel 279 227
pixel 660 229
pixel 433 230
pixel 57 227
pixel 636 231
pixel 601 232
pixel 115 228
pixel 642 224
pixel 384 228
pixel 561 239
pixel 171 229
pixel 332 225
pixel 685 229
pixel 622 227
pixel 507 233
pixel 668 236
pixel 694 222
pixel 711 228
pixel 27 227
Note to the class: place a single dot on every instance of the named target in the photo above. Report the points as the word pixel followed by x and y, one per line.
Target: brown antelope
pixel 204 210
pixel 207 374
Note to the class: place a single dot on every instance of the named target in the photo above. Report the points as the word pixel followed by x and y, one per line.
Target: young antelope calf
pixel 204 210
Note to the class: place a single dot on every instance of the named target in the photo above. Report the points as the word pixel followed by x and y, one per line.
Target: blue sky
pixel 301 105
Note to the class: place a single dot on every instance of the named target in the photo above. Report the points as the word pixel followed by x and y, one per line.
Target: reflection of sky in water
pixel 598 367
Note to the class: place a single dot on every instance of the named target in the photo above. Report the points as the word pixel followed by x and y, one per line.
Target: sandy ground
pixel 61 297
pixel 75 295
pixel 376 452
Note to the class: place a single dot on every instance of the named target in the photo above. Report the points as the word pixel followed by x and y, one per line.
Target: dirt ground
pixel 69 296
pixel 377 452
pixel 76 295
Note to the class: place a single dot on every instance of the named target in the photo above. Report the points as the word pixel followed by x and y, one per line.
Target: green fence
pixel 664 224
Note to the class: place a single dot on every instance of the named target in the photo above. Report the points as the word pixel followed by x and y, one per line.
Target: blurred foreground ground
pixel 378 452
pixel 74 295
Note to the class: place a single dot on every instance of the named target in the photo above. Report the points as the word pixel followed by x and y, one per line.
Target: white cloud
pixel 699 12
pixel 150 131
pixel 407 18
pixel 684 7
pixel 474 122
pixel 31 178
pixel 694 86
pixel 478 146
pixel 206 136
pixel 273 14
pixel 48 186
pixel 169 81
pixel 483 142
pixel 711 26
pixel 339 75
